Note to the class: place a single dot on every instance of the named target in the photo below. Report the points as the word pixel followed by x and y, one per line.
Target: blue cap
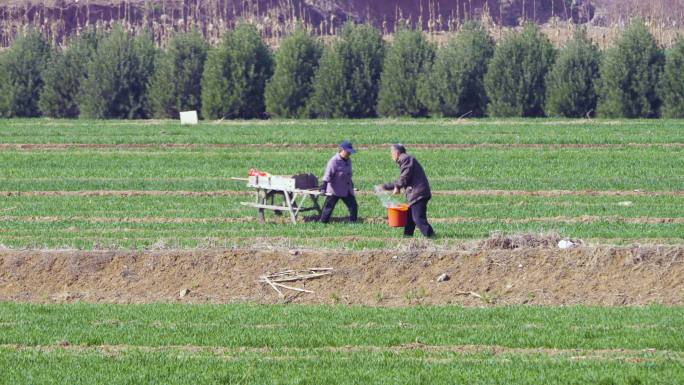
pixel 347 146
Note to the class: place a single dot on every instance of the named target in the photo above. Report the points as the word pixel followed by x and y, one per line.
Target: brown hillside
pixel 59 18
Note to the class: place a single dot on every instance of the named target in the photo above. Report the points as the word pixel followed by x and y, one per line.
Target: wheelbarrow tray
pixel 295 191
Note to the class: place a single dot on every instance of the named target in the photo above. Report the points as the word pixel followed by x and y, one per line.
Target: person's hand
pixel 396 191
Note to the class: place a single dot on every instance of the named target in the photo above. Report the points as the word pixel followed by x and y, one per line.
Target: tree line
pixel 120 76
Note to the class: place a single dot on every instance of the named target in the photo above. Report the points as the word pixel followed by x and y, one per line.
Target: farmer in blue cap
pixel 337 183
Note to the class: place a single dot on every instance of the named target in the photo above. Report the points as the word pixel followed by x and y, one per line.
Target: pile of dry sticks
pixel 275 279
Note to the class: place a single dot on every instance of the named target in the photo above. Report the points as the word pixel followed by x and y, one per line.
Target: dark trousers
pixel 418 217
pixel 330 203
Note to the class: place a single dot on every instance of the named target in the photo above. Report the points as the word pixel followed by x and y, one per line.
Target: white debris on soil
pixel 159 245
pixel 443 277
pixel 184 292
pixel 502 241
pixel 565 244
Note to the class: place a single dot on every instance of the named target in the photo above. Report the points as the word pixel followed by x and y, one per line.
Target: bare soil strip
pixel 500 273
pixel 374 220
pixel 561 219
pixel 110 239
pixel 574 354
pixel 538 193
pixel 423 146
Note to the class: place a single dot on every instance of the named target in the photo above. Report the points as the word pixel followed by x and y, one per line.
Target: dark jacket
pixel 412 178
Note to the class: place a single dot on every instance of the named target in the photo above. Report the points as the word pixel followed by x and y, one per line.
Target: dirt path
pixel 494 350
pixel 537 193
pixel 480 275
pixel 313 146
pixel 374 220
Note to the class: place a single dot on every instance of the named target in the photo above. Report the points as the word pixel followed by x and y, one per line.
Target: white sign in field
pixel 188 117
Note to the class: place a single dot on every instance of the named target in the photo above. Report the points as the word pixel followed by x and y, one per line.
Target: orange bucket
pixel 397 215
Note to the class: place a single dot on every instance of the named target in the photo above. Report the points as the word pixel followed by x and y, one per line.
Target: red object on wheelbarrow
pixel 255 172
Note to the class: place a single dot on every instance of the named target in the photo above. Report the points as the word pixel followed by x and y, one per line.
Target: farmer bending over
pixel 337 183
pixel 417 188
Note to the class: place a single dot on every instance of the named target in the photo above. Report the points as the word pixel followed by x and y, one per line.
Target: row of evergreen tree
pixel 116 75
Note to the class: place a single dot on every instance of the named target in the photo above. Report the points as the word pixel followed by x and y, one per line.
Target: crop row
pixel 361 132
pixel 136 365
pixel 160 208
pixel 654 327
pixel 651 169
pixel 129 234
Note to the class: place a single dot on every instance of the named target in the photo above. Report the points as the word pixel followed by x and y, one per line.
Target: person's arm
pixel 404 173
pixel 328 175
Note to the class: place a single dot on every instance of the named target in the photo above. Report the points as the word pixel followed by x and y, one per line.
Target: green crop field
pixel 610 181
pixel 180 344
pixel 509 131
pixel 186 221
pixel 79 184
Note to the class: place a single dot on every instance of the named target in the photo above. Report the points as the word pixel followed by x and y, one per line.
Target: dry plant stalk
pixel 61 18
pixel 275 279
